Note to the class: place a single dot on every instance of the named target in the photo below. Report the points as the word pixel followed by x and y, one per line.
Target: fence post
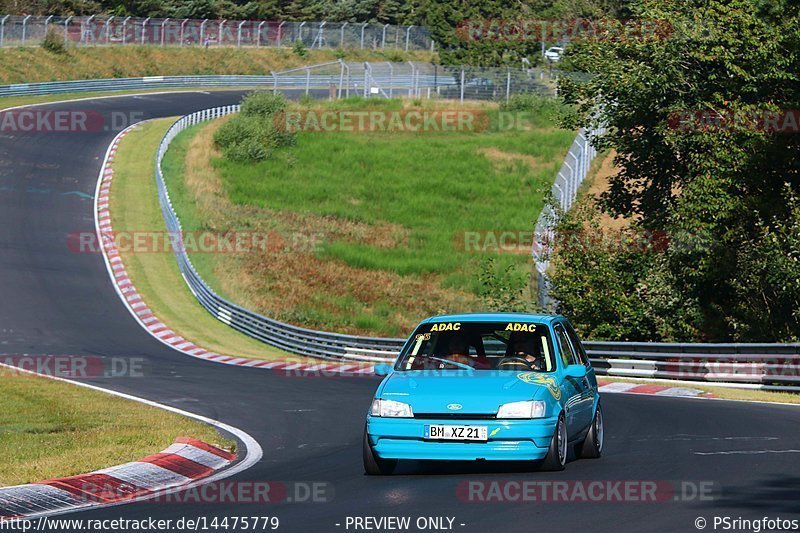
pixel 24 28
pixel 308 78
pixel 300 32
pixel 366 80
pixel 46 25
pixel 164 31
pixel 3 29
pixel 144 28
pixel 391 78
pixel 383 37
pixel 341 37
pixel 107 28
pixel 239 34
pixel 183 30
pixel 274 81
pixel 411 85
pixel 280 33
pixel 408 36
pixel 258 37
pixel 203 32
pixel 508 84
pixel 341 78
pixel 219 32
pixel 321 33
pixel 125 30
pixel 461 99
pixel 66 29
pixel 362 34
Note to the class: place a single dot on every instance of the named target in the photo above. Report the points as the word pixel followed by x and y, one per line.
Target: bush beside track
pixel 51 429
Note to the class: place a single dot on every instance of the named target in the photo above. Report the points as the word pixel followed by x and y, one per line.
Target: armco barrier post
pixel 461 97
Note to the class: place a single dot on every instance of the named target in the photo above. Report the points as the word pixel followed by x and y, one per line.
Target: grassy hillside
pixel 388 212
pixel 27 65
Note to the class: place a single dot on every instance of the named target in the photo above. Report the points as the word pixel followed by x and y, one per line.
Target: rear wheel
pixel 374 465
pixel 556 456
pixel 592 447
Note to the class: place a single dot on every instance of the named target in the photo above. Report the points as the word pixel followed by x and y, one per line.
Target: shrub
pixel 263 104
pixel 54 43
pixel 253 134
pixel 299 48
pixel 246 151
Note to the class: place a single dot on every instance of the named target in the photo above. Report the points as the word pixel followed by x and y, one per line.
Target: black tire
pixel 592 446
pixel 556 457
pixel 374 465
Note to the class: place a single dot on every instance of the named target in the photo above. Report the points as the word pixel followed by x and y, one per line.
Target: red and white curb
pixel 144 315
pixel 182 463
pixel 620 387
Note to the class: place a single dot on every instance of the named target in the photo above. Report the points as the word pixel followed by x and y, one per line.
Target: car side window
pixel 580 351
pixel 564 346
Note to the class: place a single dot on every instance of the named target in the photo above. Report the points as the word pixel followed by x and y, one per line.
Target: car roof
pixel 494 317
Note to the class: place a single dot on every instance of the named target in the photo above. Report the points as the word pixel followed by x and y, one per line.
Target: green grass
pixel 52 429
pixel 435 185
pixel 393 208
pixel 135 208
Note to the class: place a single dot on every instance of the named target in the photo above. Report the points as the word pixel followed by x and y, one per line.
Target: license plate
pixel 442 432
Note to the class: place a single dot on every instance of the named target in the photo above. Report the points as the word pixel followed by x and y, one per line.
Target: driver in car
pixel 525 347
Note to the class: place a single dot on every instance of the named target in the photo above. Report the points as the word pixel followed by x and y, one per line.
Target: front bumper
pixel 509 440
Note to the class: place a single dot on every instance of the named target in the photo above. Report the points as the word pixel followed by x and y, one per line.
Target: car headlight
pixel 390 409
pixel 528 409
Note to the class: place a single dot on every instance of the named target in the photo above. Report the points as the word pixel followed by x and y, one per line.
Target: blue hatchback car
pixel 499 386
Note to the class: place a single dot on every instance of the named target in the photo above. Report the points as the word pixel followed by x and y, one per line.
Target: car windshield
pixel 482 346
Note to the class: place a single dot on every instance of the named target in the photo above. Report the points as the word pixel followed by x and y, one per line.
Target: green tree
pixel 684 103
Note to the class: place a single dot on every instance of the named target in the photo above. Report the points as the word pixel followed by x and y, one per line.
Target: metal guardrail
pixel 105 30
pixel 758 366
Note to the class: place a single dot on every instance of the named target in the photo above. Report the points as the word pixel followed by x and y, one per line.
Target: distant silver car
pixel 554 53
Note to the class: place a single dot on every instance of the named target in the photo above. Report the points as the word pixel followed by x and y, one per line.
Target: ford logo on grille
pixel 454 406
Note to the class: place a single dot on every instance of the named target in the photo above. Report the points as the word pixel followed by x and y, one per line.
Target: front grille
pixel 454 416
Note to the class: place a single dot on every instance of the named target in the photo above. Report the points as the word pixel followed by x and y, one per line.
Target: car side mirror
pixel 383 369
pixel 576 371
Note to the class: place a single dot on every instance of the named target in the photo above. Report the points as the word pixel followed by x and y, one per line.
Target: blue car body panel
pixel 433 395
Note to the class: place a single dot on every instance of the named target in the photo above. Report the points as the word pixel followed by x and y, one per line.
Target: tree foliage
pixel 688 112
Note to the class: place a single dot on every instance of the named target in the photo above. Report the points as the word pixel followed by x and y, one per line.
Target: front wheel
pixel 592 447
pixel 374 465
pixel 556 456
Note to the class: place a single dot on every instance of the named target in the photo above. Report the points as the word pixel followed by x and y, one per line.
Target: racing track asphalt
pixel 54 301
